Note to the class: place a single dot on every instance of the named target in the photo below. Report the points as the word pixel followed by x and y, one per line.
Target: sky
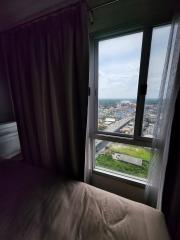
pixel 119 63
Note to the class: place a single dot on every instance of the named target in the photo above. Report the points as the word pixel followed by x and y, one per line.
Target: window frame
pixel 137 139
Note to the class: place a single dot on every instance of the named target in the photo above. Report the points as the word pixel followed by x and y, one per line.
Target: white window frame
pixel 142 82
pixel 136 139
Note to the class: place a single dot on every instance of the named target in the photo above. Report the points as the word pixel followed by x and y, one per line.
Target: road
pixel 100 144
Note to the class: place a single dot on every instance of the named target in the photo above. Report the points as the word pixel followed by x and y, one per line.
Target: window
pixel 156 63
pixel 124 99
pixel 119 63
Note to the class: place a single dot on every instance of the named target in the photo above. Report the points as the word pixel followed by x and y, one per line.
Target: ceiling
pixel 16 12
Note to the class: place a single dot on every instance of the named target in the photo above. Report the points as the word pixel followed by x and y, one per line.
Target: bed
pixel 35 205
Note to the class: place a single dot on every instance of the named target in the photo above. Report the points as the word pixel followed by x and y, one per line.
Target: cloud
pixel 120 46
pixel 119 80
pixel 119 62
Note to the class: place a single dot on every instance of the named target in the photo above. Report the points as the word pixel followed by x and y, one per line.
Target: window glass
pixel 122 158
pixel 159 45
pixel 118 75
pixel 118 78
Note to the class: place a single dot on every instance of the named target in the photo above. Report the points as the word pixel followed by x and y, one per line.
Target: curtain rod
pixel 103 5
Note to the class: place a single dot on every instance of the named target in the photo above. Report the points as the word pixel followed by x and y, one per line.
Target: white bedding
pixel 76 211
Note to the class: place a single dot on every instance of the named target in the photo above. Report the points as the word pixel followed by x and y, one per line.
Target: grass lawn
pixel 138 152
pixel 106 161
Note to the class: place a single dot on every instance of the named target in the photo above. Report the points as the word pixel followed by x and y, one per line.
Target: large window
pixel 118 75
pixel 126 85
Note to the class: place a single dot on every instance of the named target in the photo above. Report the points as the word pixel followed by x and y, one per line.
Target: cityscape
pixel 118 116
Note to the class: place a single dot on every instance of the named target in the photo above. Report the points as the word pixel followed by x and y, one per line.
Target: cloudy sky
pixel 119 62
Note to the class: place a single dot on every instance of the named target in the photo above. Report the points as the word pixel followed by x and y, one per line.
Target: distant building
pixel 110 120
pixel 126 158
pixel 125 102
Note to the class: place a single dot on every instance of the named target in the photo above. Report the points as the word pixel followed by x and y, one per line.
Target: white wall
pixel 119 14
pixel 123 188
pixel 130 13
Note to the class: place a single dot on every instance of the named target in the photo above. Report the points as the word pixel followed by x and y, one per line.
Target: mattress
pixel 34 205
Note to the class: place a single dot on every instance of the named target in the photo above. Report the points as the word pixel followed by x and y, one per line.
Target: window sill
pixel 120 177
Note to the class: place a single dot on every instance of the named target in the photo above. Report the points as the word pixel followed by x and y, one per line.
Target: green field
pixel 105 160
pixel 134 151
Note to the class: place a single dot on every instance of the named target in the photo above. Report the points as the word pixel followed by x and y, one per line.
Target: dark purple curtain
pixel 46 63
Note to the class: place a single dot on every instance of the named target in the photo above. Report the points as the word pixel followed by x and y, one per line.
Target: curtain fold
pixel 168 94
pixel 171 190
pixel 46 63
